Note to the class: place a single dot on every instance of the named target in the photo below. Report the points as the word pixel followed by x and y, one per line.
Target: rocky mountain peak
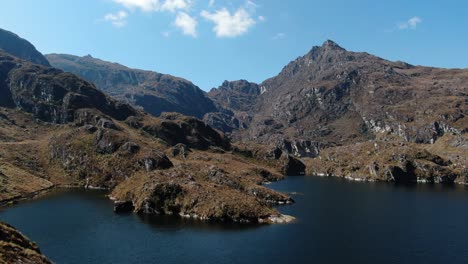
pixel 330 44
pixel 241 86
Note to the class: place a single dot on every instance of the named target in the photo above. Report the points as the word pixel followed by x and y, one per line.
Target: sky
pixel 209 41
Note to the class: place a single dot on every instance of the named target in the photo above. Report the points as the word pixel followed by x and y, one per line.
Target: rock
pixel 175 128
pixel 108 141
pixel 156 161
pixel 180 150
pixel 274 154
pixel 280 219
pixel 130 147
pixel 123 206
pixel 163 199
pixel 90 129
pixel 16 248
pixel 374 169
pixel 292 166
pixel 106 123
pixel 267 175
pixel 400 175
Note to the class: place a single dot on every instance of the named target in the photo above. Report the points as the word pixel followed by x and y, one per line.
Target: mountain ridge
pixel 21 48
pixel 152 91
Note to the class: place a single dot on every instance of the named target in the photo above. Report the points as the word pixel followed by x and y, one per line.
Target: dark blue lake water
pixel 338 222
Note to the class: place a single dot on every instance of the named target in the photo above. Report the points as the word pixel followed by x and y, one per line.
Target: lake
pixel 338 222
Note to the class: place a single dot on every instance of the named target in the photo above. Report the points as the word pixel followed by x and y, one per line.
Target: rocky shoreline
pixel 16 248
pixel 27 196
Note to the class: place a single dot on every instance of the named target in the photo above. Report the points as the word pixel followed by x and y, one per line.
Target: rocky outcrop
pixel 156 160
pixel 195 189
pixel 154 92
pixel 175 128
pixel 21 48
pixel 292 166
pixel 16 248
pixel 52 95
pixel 180 150
pixel 238 95
pixel 390 161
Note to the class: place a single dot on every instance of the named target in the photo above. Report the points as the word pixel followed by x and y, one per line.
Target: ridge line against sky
pixel 208 41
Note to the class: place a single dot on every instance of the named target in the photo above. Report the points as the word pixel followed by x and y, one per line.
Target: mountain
pixel 21 48
pixel 234 101
pixel 238 95
pixel 332 96
pixel 153 92
pixel 339 108
pixel 50 94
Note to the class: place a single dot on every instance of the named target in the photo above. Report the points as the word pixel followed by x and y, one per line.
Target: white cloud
pixel 186 23
pixel 279 36
pixel 174 5
pixel 118 19
pixel 261 18
pixel 412 23
pixel 230 25
pixel 155 5
pixel 211 3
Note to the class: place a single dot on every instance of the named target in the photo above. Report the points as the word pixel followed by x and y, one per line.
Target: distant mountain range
pixel 328 97
pixel 153 92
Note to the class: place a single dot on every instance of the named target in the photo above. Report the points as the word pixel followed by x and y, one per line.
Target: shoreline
pixel 372 180
pixel 272 219
pixel 28 196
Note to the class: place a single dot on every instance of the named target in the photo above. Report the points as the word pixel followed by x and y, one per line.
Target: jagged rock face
pixel 175 128
pixel 21 48
pixel 292 166
pixel 234 101
pixel 237 95
pixel 393 161
pixel 154 92
pixel 50 94
pixel 336 97
pixel 16 248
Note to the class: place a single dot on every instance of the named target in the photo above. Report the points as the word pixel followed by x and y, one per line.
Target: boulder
pixel 130 148
pixel 156 161
pixel 107 141
pixel 123 206
pixel 180 150
pixel 292 166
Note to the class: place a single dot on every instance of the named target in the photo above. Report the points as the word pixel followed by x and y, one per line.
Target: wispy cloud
pixel 261 18
pixel 227 25
pixel 412 23
pixel 211 3
pixel 187 24
pixel 279 35
pixel 155 5
pixel 118 19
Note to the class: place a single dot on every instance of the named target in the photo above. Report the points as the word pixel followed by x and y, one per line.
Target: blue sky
pixel 209 41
